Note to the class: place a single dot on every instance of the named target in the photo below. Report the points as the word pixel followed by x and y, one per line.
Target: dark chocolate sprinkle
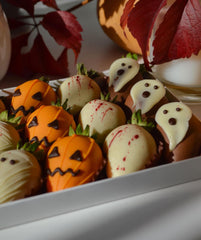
pixel 172 121
pixel 130 66
pixel 146 94
pixel 3 159
pixel 12 162
pixel 165 111
pixel 38 96
pixel 178 109
pixel 70 170
pixel 146 84
pixel 123 64
pixel 34 122
pixel 76 156
pixel 17 93
pixel 54 153
pixel 120 72
pixel 54 124
pixel 156 87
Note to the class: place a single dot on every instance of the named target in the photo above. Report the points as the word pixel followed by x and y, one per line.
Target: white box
pixel 102 191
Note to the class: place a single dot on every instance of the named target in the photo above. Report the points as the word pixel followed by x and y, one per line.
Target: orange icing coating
pixel 72 161
pixel 47 123
pixel 32 94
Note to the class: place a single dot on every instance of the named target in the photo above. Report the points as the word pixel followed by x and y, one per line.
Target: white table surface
pixel 171 213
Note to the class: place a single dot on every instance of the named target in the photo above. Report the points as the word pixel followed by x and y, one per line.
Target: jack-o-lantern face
pixel 47 123
pixel 72 161
pixel 31 95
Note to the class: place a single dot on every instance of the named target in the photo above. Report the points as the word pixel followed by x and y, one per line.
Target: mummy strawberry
pixel 101 116
pixel 47 123
pixel 147 95
pixel 78 90
pixel 20 175
pixel 73 160
pixel 129 148
pixel 181 131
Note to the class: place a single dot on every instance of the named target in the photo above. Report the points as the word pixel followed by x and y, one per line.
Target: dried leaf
pixel 65 29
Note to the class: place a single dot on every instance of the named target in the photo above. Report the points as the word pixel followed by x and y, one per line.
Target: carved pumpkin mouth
pixel 22 108
pixel 61 172
pixel 44 139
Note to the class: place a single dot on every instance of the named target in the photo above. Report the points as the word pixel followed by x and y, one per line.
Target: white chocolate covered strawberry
pixel 122 71
pixel 20 175
pixel 181 131
pixel 101 116
pixel 145 95
pixel 129 148
pixel 78 90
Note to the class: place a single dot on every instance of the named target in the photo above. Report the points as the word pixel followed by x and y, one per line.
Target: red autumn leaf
pixel 64 28
pixel 18 62
pixel 126 12
pixel 42 62
pixel 50 3
pixel 27 5
pixel 141 21
pixel 181 31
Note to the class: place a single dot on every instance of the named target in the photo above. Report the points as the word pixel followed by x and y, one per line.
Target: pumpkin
pixel 47 123
pixel 72 161
pixel 30 95
pixel 109 15
pixel 20 175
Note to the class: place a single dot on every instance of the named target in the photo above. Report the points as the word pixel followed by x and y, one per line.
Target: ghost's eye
pixel 3 159
pixel 156 87
pixel 54 124
pixel 38 96
pixel 165 111
pixel 178 109
pixel 123 64
pixel 129 66
pixel 146 84
pixel 12 162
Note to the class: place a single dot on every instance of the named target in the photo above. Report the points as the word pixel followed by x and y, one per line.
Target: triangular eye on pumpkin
pixel 31 95
pixel 72 161
pixel 47 123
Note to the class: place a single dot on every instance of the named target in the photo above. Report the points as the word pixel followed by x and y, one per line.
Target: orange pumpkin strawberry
pixel 72 161
pixel 47 123
pixel 30 95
